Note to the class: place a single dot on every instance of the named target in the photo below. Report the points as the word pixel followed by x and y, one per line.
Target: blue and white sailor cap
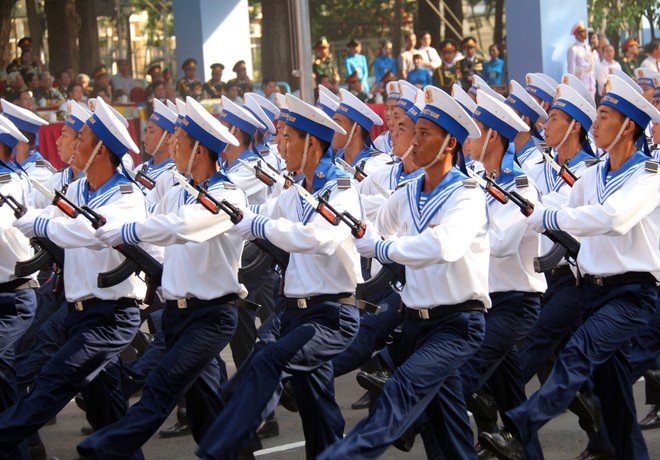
pixel 623 98
pixel 575 83
pixel 445 112
pixel 644 76
pixel 252 106
pixel 163 116
pixel 237 116
pixel 172 106
pixel 656 83
pixel 520 100
pixel 23 119
pixel 416 110
pixel 310 119
pixel 328 101
pixel 110 130
pixel 465 101
pixel 281 103
pixel 539 87
pixel 625 77
pixel 10 134
pixel 483 86
pixel 392 88
pixel 476 82
pixel 569 101
pixel 356 110
pixel 407 92
pixel 498 116
pixel 91 103
pixel 548 79
pixel 78 115
pixel 181 110
pixel 205 128
pixel 267 106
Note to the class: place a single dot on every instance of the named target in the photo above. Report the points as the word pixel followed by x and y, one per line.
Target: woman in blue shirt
pixel 356 61
pixel 494 68
pixel 384 61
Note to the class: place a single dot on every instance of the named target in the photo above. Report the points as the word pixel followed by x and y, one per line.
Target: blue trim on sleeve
pixel 383 251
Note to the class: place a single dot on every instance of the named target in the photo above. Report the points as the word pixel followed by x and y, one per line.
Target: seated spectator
pixel 102 83
pixel 377 94
pixel 269 88
pixel 215 87
pixel 324 80
pixel 62 83
pixel 15 83
pixel 419 76
pixel 27 64
pixel 244 83
pixel 494 68
pixel 157 91
pixel 45 94
pixel 355 86
pixel 189 85
pixel 384 61
pixel 232 92
pixel 122 80
pixel 74 91
pixel 23 99
pixel 84 81
pixel 31 81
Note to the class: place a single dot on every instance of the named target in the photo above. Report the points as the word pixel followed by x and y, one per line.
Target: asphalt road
pixel 561 438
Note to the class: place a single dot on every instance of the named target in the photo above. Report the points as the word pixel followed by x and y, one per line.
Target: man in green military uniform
pixel 470 65
pixel 215 87
pixel 325 65
pixel 630 60
pixel 448 73
pixel 189 85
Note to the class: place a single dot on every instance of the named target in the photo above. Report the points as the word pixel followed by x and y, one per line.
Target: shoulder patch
pixel 229 186
pixel 651 166
pixel 264 152
pixel 522 181
pixel 5 178
pixel 589 162
pixel 41 163
pixel 343 183
pixel 469 183
pixel 403 183
pixel 125 188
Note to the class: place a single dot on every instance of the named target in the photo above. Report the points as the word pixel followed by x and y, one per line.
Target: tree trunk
pixel 276 44
pixel 395 28
pixel 6 53
pixel 498 33
pixel 63 23
pixel 428 20
pixel 36 34
pixel 454 29
pixel 88 36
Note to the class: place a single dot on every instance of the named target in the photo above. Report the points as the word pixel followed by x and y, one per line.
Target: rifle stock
pixel 48 254
pixel 551 259
pixel 389 276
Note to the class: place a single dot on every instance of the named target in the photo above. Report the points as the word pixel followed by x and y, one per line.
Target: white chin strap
pixel 303 163
pixel 192 158
pixel 440 152
pixel 160 142
pixel 485 146
pixel 568 131
pixel 91 157
pixel 231 131
pixel 407 152
pixel 618 135
pixel 350 136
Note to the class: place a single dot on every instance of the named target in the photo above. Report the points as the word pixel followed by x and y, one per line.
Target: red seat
pixel 138 95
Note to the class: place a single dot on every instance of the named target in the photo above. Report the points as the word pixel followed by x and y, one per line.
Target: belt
pixel 192 302
pixel 560 270
pixel 441 311
pixel 617 280
pixel 18 284
pixel 82 305
pixel 308 302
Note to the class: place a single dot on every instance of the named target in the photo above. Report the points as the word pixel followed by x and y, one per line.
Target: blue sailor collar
pixel 326 171
pixel 454 175
pixel 245 154
pixel 510 169
pixel 164 164
pixel 5 168
pixel 400 175
pixel 363 154
pixel 219 176
pixel 637 158
pixel 34 156
pixel 116 179
pixel 525 151
pixel 581 156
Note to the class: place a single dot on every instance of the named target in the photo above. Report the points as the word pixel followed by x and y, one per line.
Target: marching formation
pixel 476 243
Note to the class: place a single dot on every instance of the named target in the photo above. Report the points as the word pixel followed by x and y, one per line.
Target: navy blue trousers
pixel 193 338
pixel 47 304
pixel 95 337
pixel 299 345
pixel 426 382
pixel 599 348
pixel 559 317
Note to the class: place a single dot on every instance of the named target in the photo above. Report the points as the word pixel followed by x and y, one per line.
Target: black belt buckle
pixel 78 305
pixel 598 280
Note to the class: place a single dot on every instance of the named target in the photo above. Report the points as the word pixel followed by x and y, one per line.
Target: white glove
pixel 244 227
pixel 366 245
pixel 110 235
pixel 535 220
pixel 26 223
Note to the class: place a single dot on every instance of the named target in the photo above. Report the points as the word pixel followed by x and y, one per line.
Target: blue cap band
pixel 356 116
pixel 392 96
pixel 536 91
pixel 413 113
pixel 495 123
pixel 179 121
pixel 521 107
pixel 200 134
pixel 22 124
pixel 9 140
pixel 237 121
pixel 162 121
pixel 327 110
pixel 254 114
pixel 104 134
pixel 646 81
pixel 405 104
pixel 630 110
pixel 305 124
pixel 574 112
pixel 284 113
pixel 74 123
pixel 445 121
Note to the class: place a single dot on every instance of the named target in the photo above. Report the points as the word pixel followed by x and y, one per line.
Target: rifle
pixel 141 178
pixel 390 276
pixel 137 260
pixel 269 178
pixel 48 252
pixel 567 246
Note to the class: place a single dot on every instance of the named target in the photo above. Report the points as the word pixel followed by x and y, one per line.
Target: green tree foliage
pixel 624 15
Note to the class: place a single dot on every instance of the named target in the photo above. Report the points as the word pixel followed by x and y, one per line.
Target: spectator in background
pixel 269 88
pixel 24 99
pixel 356 62
pixel 603 67
pixel 470 65
pixel 448 73
pixel 62 83
pixel 324 65
pixel 384 61
pixel 122 80
pixel 84 81
pixel 419 76
pixel 45 94
pixel 652 61
pixel 431 57
pixel 102 83
pixel 155 73
pixel 323 80
pixel 189 85
pixel 215 87
pixel 31 81
pixel 377 93
pixel 580 58
pixel 15 83
pixel 158 91
pixel 355 86
pixel 630 59
pixel 27 64
pixel 75 92
pixel 405 61
pixel 595 44
pixel 244 83
pixel 493 69
pixel 232 92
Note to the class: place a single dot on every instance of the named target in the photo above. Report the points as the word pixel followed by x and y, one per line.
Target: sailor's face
pixel 182 150
pixel 83 146
pixel 427 140
pixel 403 137
pixel 339 140
pixel 294 142
pixel 555 127
pixel 606 126
pixel 152 135
pixel 64 143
